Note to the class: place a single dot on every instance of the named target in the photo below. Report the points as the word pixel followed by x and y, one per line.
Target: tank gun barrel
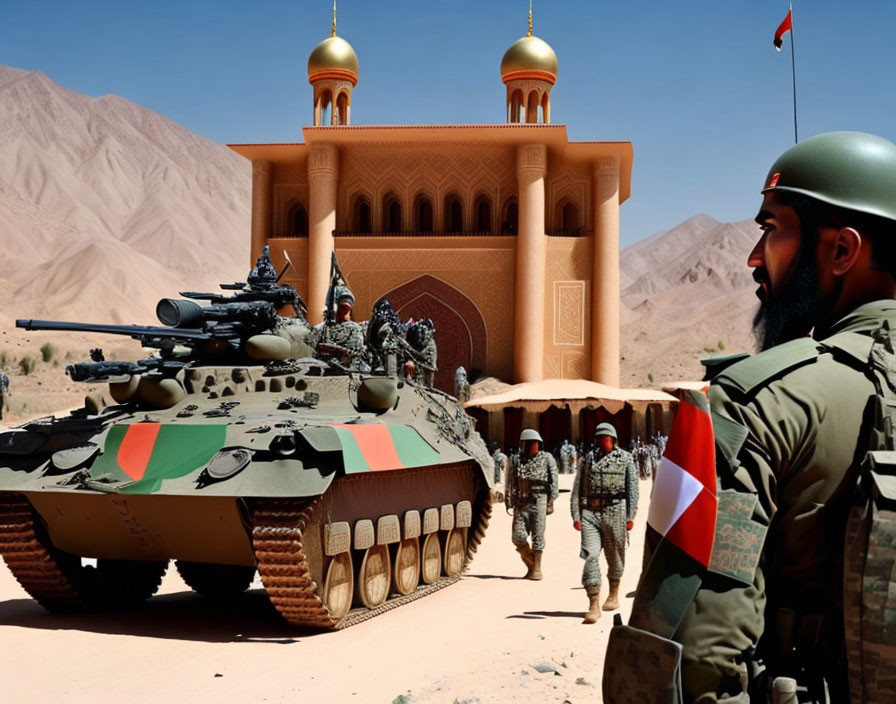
pixel 138 332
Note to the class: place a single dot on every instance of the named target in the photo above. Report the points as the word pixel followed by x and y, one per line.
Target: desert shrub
pixel 721 345
pixel 650 377
pixel 47 351
pixel 27 364
pixel 5 359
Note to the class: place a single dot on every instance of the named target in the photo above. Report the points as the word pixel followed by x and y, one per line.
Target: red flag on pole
pixel 783 28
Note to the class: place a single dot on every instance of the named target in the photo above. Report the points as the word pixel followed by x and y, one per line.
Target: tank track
pixel 277 529
pixel 37 567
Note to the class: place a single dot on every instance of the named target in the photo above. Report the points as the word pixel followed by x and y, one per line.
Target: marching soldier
pixel 530 491
pixel 604 502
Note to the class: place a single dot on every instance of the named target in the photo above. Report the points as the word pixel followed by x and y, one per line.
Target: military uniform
pixel 604 497
pixel 4 392
pixel 531 488
pixel 500 465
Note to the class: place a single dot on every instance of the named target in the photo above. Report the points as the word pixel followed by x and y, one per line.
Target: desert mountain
pixel 105 206
pixel 687 293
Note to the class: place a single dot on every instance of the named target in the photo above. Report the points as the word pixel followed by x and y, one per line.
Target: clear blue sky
pixel 695 85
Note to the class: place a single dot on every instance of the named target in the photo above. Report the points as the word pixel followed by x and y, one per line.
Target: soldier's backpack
pixel 869 565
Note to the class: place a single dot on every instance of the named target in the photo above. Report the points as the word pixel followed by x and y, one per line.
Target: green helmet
pixel 529 434
pixel 344 294
pixel 852 170
pixel 606 429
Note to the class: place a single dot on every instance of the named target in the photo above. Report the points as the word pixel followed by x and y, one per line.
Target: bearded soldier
pixel 530 491
pixel 603 504
pixel 795 599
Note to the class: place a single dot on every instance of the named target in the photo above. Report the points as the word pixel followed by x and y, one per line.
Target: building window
pixel 454 214
pixel 569 217
pixel 510 220
pixel 361 221
pixel 297 221
pixel 423 214
pixel 483 214
pixel 392 214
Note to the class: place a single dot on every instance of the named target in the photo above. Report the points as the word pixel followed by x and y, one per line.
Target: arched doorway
pixel 461 334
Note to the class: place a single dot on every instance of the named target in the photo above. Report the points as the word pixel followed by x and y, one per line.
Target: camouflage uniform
pixel 4 392
pixel 500 465
pixel 566 458
pixel 532 486
pixel 604 497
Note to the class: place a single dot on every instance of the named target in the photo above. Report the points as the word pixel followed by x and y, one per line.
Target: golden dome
pixel 333 54
pixel 529 54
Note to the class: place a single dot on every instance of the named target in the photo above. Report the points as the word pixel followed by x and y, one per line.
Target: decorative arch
pixel 516 106
pixel 461 333
pixel 392 221
pixel 567 216
pixel 510 216
pixel 296 220
pixel 482 214
pixel 532 107
pixel 340 114
pixel 423 213
pixel 453 213
pixel 362 220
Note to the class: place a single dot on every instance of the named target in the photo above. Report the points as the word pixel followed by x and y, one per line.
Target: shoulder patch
pixel 767 366
pixel 853 344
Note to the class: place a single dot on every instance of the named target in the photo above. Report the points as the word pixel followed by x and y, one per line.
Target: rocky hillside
pixel 686 293
pixel 105 205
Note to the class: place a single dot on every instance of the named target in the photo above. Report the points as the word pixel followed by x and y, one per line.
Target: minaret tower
pixel 529 70
pixel 333 72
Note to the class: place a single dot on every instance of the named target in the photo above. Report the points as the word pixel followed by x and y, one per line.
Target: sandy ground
pixel 478 641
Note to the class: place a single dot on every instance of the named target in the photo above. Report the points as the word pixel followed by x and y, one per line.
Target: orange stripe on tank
pixel 376 445
pixel 136 448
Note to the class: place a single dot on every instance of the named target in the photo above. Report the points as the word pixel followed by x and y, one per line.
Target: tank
pixel 350 487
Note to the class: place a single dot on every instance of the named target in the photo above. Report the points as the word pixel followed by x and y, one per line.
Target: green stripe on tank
pixel 412 449
pixel 352 457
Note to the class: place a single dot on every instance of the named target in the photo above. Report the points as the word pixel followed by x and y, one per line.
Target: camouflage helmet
pixel 530 434
pixel 852 170
pixel 606 429
pixel 344 294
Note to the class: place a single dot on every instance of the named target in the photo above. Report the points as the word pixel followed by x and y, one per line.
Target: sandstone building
pixel 507 236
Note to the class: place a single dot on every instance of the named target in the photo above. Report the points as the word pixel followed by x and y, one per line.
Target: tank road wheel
pixel 124 583
pixel 374 576
pixel 455 551
pixel 406 574
pixel 339 586
pixel 432 559
pixel 214 580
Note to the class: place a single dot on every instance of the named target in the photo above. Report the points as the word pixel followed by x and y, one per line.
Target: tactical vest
pixel 605 478
pixel 869 565
pixel 533 477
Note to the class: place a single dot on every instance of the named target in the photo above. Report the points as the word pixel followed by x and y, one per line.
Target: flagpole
pixel 793 68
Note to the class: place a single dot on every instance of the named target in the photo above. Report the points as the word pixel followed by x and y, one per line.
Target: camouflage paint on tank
pixel 379 446
pixel 149 453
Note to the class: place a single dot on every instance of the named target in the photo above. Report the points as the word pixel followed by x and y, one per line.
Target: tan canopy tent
pixel 570 408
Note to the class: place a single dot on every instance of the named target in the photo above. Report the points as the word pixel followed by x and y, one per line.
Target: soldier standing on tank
pixel 603 505
pixel 530 490
pixel 792 426
pixel 343 338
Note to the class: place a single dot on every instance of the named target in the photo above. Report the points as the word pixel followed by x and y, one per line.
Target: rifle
pixel 108 371
pixel 186 322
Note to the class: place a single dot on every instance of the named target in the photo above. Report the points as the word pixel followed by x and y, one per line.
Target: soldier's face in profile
pixel 785 268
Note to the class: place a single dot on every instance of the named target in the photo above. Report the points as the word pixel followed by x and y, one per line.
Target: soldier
pixel 421 336
pixel 461 385
pixel 530 491
pixel 603 505
pixel 792 425
pixel 4 392
pixel 566 465
pixel 343 338
pixel 500 464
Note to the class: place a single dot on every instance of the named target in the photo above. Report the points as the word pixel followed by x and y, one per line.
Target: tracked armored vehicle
pixel 351 491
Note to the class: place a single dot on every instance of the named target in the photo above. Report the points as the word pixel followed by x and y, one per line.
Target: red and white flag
pixel 684 504
pixel 783 28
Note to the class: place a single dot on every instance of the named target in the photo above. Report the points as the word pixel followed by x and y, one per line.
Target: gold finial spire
pixel 333 32
pixel 530 18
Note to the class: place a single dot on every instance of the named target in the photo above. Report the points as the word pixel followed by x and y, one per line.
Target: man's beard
pixel 791 312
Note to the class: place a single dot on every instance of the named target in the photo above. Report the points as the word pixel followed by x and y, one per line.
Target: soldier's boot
pixel 593 604
pixel 535 572
pixel 526 554
pixel 612 602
